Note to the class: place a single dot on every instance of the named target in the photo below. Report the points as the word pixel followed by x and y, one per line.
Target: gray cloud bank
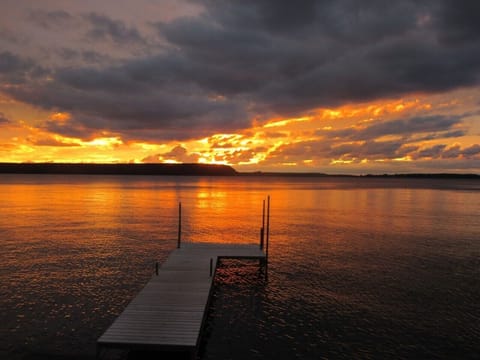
pixel 3 119
pixel 242 59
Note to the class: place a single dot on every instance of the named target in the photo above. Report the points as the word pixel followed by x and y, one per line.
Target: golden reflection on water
pixel 223 209
pixel 76 249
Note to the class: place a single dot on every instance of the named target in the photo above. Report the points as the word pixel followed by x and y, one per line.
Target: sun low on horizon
pixel 299 89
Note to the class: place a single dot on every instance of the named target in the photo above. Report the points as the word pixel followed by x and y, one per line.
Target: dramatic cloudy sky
pixel 336 86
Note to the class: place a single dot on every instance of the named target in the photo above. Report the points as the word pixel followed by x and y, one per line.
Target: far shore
pixel 188 169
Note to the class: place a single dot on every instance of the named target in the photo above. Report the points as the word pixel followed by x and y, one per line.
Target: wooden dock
pixel 169 313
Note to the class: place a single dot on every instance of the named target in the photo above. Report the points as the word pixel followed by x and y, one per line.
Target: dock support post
pixel 156 268
pixel 211 266
pixel 179 224
pixel 262 234
pixel 262 230
pixel 268 227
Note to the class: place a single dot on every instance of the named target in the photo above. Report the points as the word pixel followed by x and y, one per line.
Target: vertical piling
pixel 156 268
pixel 211 267
pixel 262 230
pixel 268 228
pixel 179 224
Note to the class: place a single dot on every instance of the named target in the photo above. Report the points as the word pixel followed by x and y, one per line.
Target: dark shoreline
pixel 117 169
pixel 191 170
pixel 406 175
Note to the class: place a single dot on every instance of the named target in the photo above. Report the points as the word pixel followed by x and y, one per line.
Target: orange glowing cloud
pixel 61 117
pixel 355 136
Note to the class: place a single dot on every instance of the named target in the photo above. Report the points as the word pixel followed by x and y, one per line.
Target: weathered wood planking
pixel 169 311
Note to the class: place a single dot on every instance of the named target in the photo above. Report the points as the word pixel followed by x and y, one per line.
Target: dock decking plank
pixel 169 311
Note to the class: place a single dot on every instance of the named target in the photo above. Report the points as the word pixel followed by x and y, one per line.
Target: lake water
pixel 359 267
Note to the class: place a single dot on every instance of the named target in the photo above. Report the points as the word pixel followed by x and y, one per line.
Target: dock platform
pixel 169 312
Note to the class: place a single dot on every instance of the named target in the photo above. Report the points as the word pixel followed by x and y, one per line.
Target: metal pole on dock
pixel 179 224
pixel 262 230
pixel 268 227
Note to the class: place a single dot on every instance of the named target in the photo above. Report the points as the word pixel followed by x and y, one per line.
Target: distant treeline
pixel 430 176
pixel 412 175
pixel 284 174
pixel 186 169
pixel 118 169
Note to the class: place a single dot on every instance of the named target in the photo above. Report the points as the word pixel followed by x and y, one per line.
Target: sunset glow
pixel 104 104
pixel 275 144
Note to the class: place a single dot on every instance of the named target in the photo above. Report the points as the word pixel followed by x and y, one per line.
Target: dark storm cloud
pixel 471 151
pixel 94 57
pixel 324 53
pixel 17 70
pixel 348 21
pixel 434 126
pixel 75 128
pixel 117 102
pixel 9 36
pixel 85 56
pixel 441 135
pixel 11 64
pixel 284 15
pixel 318 150
pixel 3 119
pixel 387 69
pixel 432 152
pixel 452 152
pixel 104 28
pixel 97 27
pixel 51 20
pixel 441 151
pixel 371 150
pixel 219 59
pixel 458 21
pixel 142 94
pixel 245 57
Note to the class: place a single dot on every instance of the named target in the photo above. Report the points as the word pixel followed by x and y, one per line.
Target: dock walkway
pixel 168 314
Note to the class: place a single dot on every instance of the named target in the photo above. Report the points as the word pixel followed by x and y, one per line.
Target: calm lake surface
pixel 359 267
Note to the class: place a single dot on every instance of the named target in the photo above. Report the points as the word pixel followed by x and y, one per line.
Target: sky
pixel 332 86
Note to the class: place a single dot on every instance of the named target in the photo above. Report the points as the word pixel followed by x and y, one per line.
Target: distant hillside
pixel 118 169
